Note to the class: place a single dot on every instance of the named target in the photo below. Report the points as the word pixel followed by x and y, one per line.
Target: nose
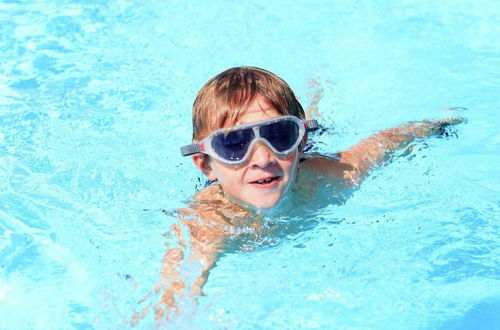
pixel 262 156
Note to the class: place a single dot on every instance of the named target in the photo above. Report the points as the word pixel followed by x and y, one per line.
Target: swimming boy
pixel 249 135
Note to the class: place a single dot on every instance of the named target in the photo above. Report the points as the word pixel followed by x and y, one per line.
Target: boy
pixel 249 134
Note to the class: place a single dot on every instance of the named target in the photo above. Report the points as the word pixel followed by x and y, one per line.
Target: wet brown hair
pixel 223 98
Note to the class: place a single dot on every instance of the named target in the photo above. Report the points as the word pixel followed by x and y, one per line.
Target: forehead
pixel 259 109
pixel 256 110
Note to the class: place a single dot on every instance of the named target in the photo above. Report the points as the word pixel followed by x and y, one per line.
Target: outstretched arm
pixel 351 165
pixel 192 250
pixel 378 147
pixel 200 253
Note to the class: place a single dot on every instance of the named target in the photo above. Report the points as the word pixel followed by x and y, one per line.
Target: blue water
pixel 95 101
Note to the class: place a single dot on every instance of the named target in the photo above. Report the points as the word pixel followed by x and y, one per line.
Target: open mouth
pixel 266 182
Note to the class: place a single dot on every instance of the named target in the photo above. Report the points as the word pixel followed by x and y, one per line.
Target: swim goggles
pixel 233 145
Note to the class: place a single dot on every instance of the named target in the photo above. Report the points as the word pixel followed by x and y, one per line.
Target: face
pixel 264 178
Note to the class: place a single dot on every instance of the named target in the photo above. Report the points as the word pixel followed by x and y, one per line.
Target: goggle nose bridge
pixel 256 141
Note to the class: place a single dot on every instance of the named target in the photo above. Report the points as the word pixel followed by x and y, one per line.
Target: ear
pixel 202 162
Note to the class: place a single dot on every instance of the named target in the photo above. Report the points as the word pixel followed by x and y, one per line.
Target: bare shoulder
pixel 203 205
pixel 212 208
pixel 211 194
pixel 205 225
pixel 337 167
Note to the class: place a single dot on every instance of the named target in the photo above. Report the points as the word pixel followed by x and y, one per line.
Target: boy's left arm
pixel 352 165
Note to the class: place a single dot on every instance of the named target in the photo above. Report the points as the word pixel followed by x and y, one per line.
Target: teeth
pixel 266 180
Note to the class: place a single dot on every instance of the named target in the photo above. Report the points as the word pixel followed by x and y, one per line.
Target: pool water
pixel 95 101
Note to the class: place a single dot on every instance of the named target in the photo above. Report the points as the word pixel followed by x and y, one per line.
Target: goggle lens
pixel 281 135
pixel 234 145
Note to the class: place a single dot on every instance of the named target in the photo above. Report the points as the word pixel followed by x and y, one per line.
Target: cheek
pixel 291 169
pixel 290 162
pixel 225 174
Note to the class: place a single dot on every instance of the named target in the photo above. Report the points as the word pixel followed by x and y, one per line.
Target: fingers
pixel 445 127
pixel 452 121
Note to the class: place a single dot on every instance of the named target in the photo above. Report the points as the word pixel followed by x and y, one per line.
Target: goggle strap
pixel 311 125
pixel 190 149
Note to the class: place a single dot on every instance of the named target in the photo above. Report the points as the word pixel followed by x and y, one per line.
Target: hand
pixel 444 127
pixel 440 127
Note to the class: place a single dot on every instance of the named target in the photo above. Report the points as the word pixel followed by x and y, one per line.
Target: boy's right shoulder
pixel 214 190
pixel 211 206
pixel 205 199
pixel 204 218
pixel 213 194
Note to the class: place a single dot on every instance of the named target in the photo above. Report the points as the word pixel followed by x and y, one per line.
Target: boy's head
pixel 245 96
pixel 223 98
